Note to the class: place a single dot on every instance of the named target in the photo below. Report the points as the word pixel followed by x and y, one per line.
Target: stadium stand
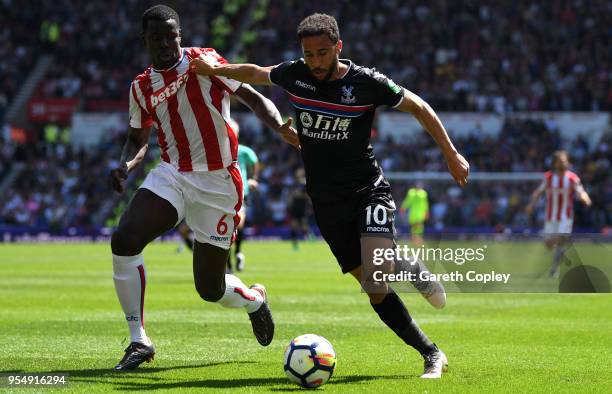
pixel 466 55
pixel 460 56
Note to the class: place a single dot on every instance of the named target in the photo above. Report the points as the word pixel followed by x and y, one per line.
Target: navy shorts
pixel 369 212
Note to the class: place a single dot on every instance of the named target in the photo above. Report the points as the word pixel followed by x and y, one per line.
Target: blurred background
pixel 513 81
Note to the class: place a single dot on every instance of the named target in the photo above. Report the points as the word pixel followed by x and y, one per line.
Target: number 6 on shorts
pixel 222 226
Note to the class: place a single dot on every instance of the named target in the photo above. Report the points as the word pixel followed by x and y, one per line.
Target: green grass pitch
pixel 59 313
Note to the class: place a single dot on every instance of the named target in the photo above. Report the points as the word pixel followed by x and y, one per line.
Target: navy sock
pixel 238 240
pixel 188 242
pixel 395 315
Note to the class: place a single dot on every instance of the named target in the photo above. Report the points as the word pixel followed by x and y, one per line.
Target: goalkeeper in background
pixel 418 206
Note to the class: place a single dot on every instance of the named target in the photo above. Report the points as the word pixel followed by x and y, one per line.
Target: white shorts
pixel 209 201
pixel 563 226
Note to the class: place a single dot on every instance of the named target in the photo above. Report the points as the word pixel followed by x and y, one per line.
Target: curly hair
pixel 317 24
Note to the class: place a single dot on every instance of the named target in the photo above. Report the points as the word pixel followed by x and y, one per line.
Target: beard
pixel 331 71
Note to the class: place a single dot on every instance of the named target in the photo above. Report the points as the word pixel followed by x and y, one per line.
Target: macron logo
pixel 168 91
pixel 305 85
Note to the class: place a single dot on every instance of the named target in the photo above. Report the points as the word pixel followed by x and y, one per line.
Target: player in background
pixel 249 168
pixel 197 178
pixel 335 101
pixel 560 186
pixel 298 210
pixel 186 236
pixel 418 205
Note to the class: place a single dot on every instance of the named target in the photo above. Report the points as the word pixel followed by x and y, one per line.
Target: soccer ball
pixel 309 360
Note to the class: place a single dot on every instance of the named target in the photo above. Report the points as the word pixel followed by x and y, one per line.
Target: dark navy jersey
pixel 334 122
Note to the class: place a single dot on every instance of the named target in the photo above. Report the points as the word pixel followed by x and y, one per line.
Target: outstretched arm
pixel 267 112
pixel 457 165
pixel 247 73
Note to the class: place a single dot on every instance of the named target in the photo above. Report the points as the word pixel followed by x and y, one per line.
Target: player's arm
pixel 535 196
pixel 583 196
pixel 247 73
pixel 132 154
pixel 406 203
pixel 267 112
pixel 253 178
pixel 457 165
pixel 252 169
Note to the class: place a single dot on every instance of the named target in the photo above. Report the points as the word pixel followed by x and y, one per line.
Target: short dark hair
pixel 159 12
pixel 317 24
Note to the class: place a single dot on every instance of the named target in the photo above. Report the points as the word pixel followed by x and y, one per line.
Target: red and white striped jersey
pixel 560 190
pixel 190 112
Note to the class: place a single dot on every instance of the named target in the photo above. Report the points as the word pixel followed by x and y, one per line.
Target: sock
pixel 293 235
pixel 238 241
pixel 395 315
pixel 559 250
pixel 238 295
pixel 229 261
pixel 129 275
pixel 189 241
pixel 294 239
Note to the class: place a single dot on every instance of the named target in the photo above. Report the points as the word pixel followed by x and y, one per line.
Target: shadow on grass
pixel 132 381
pixel 230 383
pixel 95 375
pixel 344 380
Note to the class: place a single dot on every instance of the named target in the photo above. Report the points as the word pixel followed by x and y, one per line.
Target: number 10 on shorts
pixel 378 213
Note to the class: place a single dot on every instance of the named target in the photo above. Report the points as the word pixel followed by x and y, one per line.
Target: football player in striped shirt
pixel 560 187
pixel 197 179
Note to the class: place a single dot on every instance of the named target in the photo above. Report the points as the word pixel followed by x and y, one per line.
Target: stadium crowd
pixel 522 145
pixel 61 187
pixel 467 55
pixel 96 46
pixel 459 55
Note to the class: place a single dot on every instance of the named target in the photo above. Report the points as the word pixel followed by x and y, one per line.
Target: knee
pixel 126 243
pixel 210 293
pixel 376 291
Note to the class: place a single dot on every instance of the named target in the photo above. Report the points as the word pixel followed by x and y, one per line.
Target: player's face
pixel 321 56
pixel 163 42
pixel 561 163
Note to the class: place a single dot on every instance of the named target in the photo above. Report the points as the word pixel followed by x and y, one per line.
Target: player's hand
pixel 117 177
pixel 529 209
pixel 253 184
pixel 289 134
pixel 201 66
pixel 459 168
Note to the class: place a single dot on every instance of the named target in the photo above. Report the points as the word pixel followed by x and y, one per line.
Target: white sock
pixel 130 281
pixel 237 295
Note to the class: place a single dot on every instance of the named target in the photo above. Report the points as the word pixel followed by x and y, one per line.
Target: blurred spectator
pixel 466 55
pixel 62 187
pixel 459 55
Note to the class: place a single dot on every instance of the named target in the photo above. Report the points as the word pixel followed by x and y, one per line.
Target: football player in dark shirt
pixel 335 101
